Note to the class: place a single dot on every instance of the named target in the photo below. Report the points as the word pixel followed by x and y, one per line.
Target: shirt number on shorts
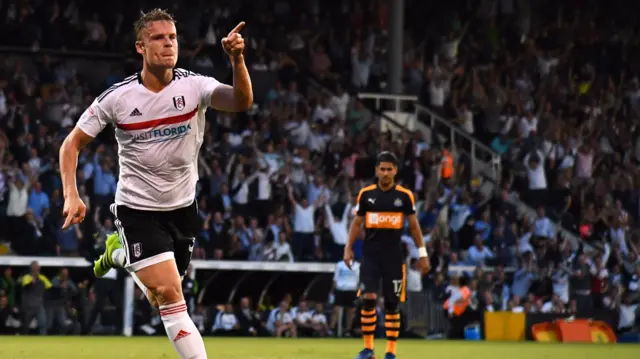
pixel 397 286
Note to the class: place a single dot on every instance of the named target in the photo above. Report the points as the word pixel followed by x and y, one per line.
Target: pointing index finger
pixel 238 28
pixel 67 221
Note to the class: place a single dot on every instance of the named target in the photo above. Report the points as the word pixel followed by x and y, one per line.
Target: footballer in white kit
pixel 158 116
pixel 159 136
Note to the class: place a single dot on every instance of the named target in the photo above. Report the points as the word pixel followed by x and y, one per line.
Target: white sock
pixel 182 331
pixel 118 258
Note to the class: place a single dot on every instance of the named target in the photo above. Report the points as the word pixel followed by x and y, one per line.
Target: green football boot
pixel 104 264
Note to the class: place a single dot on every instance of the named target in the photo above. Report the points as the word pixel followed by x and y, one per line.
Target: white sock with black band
pixel 182 331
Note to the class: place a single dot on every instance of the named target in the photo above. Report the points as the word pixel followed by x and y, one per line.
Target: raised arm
pixel 239 97
pixel 290 196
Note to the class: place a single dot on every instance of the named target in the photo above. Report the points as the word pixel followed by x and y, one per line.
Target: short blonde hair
pixel 151 16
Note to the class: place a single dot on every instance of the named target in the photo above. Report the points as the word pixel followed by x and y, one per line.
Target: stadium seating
pixel 519 90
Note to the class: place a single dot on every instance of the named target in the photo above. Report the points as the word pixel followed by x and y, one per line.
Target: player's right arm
pixel 355 228
pixel 69 160
pixel 90 124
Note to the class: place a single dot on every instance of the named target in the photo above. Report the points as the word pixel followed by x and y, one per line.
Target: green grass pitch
pixel 20 347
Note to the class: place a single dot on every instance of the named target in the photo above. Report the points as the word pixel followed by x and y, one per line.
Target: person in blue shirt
pixel 483 226
pixel 67 240
pixel 104 181
pixel 38 201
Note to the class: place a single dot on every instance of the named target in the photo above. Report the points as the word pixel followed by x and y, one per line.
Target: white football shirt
pixel 159 136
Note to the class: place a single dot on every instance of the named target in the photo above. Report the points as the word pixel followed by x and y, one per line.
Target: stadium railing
pixel 484 159
pixel 316 277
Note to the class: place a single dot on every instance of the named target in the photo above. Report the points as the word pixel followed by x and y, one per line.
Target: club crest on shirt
pixel 398 202
pixel 178 102
pixel 137 250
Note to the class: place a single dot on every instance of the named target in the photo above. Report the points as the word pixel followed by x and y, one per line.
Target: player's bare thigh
pixel 162 281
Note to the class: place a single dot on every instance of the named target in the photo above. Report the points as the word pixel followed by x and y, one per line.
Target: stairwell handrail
pixel 458 131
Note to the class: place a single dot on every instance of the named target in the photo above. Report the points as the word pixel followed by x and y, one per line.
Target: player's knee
pixel 166 294
pixel 369 304
pixel 152 299
pixel 390 306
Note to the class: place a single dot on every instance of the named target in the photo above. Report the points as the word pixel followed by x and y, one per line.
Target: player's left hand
pixel 233 44
pixel 424 265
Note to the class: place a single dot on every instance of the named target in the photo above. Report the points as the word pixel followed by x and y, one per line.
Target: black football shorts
pixel 383 266
pixel 151 237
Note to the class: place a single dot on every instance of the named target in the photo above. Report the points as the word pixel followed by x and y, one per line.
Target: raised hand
pixel 233 44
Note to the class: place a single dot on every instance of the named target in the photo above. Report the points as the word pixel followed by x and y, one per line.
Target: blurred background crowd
pixel 552 87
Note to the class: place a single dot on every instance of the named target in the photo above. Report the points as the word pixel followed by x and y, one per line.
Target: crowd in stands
pixel 552 89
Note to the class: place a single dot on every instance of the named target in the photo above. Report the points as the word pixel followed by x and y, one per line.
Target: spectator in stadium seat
pixel 524 277
pixel 17 203
pixel 249 319
pixel 303 319
pixel 536 174
pixel 8 286
pixel 104 181
pixel 281 322
pixel 262 205
pixel 283 249
pixel 543 227
pixel 634 282
pixel 482 226
pixel 560 284
pixel 9 322
pixel 67 240
pixel 338 226
pixel 319 321
pixel 580 284
pixel 38 202
pixel 30 229
pixel 320 61
pixel 303 236
pixel 460 210
pixel 220 238
pixel 223 202
pixel 361 63
pixel 226 322
pixel 479 253
pixel 256 252
pixel 340 102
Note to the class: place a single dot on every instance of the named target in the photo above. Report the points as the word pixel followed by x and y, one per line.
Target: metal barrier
pixel 483 159
pixel 424 314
